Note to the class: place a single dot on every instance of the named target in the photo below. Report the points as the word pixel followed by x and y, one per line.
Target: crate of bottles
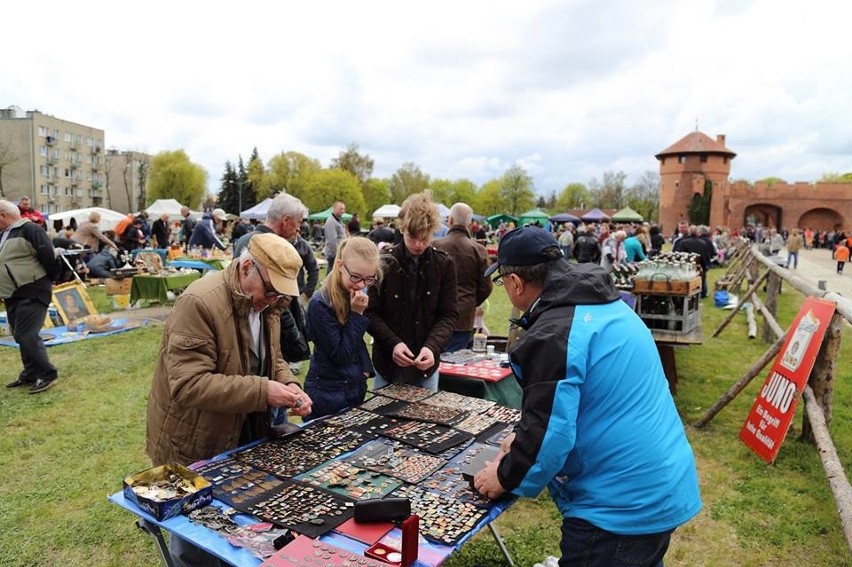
pixel 664 284
pixel 670 312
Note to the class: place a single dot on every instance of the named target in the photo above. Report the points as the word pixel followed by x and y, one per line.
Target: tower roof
pixel 697 143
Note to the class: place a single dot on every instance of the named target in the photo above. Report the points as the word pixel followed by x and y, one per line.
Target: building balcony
pixel 74 182
pixel 72 145
pixel 96 185
pixel 96 150
pixel 96 167
pixel 51 160
pixel 75 165
pixel 49 140
pixel 97 201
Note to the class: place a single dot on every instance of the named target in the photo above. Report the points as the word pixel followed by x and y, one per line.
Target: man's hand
pixel 402 356
pixel 288 396
pixel 425 359
pixel 486 481
pixel 507 443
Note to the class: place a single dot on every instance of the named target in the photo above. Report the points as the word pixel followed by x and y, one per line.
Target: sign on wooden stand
pixel 772 412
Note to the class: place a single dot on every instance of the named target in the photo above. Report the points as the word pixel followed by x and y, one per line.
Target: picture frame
pixel 72 302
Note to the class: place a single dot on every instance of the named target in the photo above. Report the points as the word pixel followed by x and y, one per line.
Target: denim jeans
pixel 585 545
pixel 794 256
pixel 430 383
pixel 458 340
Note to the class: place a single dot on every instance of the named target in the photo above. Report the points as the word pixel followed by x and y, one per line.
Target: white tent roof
pixel 443 210
pixel 259 211
pixel 387 211
pixel 170 206
pixel 109 218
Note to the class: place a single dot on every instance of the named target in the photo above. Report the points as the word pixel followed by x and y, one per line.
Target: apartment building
pixel 57 163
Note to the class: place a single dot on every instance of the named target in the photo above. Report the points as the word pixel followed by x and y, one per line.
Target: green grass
pixel 63 451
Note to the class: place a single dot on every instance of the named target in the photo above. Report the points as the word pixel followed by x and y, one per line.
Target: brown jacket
pixel 90 236
pixel 201 393
pixel 471 260
pixel 794 243
pixel 416 306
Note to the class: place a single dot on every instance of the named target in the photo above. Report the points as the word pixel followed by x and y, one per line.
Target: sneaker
pixel 41 385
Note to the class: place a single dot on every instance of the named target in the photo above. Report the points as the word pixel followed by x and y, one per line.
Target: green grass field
pixel 63 451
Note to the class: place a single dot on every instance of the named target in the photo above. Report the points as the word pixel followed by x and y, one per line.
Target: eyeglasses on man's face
pixel 358 278
pixel 269 292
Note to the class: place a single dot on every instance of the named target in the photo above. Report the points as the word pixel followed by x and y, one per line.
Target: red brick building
pixel 686 165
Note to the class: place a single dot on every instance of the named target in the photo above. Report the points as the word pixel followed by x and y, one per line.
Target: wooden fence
pixel 746 264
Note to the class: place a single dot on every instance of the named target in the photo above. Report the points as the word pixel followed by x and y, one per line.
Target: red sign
pixel 773 410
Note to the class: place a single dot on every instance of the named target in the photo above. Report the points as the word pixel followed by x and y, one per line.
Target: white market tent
pixel 387 211
pixel 443 211
pixel 258 211
pixel 170 206
pixel 109 218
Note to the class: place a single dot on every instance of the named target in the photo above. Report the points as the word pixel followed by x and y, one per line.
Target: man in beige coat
pixel 219 369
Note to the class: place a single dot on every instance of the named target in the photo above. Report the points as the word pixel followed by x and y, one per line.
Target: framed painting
pixel 72 302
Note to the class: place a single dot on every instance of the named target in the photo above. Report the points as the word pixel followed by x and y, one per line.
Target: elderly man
pixel 598 425
pixel 219 370
pixel 284 218
pixel 187 225
pixel 471 260
pixel 28 261
pixel 205 232
pixel 89 234
pixel 161 231
pixel 334 232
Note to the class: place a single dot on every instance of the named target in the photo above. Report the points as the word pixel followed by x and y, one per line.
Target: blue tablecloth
pixel 61 335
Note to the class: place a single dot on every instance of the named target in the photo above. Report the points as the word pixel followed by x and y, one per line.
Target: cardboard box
pixel 162 510
pixel 118 287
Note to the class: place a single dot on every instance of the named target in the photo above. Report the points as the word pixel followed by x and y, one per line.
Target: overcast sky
pixel 464 89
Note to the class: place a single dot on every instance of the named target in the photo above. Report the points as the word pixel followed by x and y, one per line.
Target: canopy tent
pixel 478 218
pixel 323 215
pixel 595 215
pixel 443 211
pixel 109 218
pixel 565 217
pixel 387 211
pixel 257 212
pixel 532 216
pixel 495 220
pixel 170 206
pixel 627 215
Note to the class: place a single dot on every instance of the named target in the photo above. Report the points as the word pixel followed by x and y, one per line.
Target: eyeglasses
pixel 358 278
pixel 269 292
pixel 498 279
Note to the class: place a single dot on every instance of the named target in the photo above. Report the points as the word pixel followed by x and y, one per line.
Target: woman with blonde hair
pixel 340 363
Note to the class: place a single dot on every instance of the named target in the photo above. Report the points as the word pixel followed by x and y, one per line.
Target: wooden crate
pixel 670 312
pixel 665 286
pixel 118 287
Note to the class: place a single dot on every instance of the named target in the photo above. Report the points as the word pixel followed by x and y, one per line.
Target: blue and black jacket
pixel 599 426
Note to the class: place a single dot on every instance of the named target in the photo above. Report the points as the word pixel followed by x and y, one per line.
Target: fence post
pixel 773 286
pixel 821 379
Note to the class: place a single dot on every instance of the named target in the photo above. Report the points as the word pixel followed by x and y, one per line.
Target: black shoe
pixel 17 383
pixel 41 385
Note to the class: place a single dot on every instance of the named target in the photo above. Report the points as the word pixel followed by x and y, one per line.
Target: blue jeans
pixel 794 256
pixel 458 340
pixel 430 383
pixel 585 545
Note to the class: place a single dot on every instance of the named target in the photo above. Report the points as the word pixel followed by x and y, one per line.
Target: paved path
pixel 816 265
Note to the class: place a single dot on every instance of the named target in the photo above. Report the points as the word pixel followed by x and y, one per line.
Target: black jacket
pixel 415 304
pixel 587 249
pixel 28 263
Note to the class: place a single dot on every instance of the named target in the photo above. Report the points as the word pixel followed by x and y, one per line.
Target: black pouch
pixel 384 510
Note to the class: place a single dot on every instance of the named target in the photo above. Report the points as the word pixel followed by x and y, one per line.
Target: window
pixel 681 159
pixel 42 131
pixel 69 192
pixel 703 158
pixel 42 151
pixel 79 192
pixel 89 141
pixel 43 170
pixel 67 136
pixel 725 160
pixel 55 189
pixel 67 173
pixel 45 190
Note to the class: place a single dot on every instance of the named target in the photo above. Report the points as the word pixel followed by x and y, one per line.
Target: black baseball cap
pixel 523 247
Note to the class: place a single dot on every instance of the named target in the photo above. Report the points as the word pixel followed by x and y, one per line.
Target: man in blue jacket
pixel 599 427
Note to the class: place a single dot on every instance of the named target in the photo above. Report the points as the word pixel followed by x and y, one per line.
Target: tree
pixel 450 192
pixel 698 210
pixel 516 190
pixel 257 187
pixel 609 194
pixel 644 195
pixel 770 181
pixel 291 172
pixel 8 156
pixel 407 180
pixel 834 177
pixel 489 200
pixel 173 176
pixel 142 178
pixel 573 196
pixel 359 165
pixel 375 193
pixel 228 197
pixel 329 185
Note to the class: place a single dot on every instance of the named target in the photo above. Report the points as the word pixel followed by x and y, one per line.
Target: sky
pixel 464 89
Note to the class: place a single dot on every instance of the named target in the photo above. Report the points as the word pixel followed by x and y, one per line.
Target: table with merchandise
pixel 480 375
pixel 157 287
pixel 303 491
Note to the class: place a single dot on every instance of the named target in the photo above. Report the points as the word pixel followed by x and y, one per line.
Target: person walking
pixel 841 255
pixel 29 263
pixel 334 232
pixel 794 244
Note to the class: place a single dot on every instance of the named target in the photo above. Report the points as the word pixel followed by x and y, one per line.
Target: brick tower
pixel 684 166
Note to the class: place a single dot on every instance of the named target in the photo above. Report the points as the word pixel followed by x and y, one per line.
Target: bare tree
pixel 107 168
pixel 128 185
pixel 142 177
pixel 8 156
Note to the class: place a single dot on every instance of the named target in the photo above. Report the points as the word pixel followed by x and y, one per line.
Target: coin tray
pixel 404 392
pixel 376 402
pixel 420 411
pixel 429 437
pixel 307 552
pixel 450 483
pixel 353 418
pixel 498 437
pixel 238 484
pixel 397 460
pixel 465 356
pixel 476 423
pixel 458 401
pixel 441 519
pixel 303 508
pixel 348 480
pixel 505 415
